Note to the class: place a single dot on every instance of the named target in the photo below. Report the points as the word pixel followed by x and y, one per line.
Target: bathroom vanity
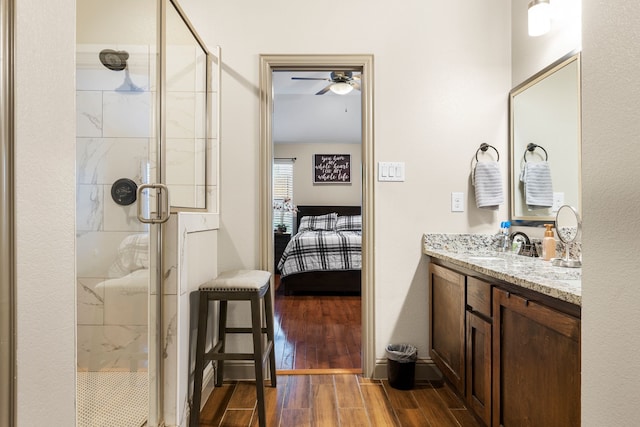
pixel 504 330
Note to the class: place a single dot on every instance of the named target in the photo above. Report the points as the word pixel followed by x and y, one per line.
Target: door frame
pixel 364 63
pixel 7 238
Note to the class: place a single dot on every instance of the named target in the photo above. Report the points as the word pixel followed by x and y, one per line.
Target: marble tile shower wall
pixel 115 125
pixel 185 129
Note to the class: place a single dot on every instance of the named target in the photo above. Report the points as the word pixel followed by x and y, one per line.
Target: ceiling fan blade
pixel 309 78
pixel 356 85
pixel 325 90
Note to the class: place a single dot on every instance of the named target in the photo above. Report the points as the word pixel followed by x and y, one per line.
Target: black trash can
pixel 401 365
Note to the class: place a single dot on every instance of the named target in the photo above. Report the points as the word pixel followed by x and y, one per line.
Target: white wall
pixel 610 173
pixel 442 74
pixel 305 192
pixel 45 212
pixel 531 54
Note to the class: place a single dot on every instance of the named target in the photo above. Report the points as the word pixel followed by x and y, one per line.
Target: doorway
pixel 357 63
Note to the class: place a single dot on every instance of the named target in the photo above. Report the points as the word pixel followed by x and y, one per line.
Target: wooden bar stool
pixel 237 285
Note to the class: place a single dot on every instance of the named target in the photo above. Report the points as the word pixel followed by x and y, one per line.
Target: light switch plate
pixel 558 201
pixel 391 171
pixel 457 202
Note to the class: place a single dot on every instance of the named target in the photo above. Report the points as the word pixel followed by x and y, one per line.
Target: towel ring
pixel 531 146
pixel 484 147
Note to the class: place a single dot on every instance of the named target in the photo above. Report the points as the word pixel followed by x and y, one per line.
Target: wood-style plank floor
pixel 336 400
pixel 317 331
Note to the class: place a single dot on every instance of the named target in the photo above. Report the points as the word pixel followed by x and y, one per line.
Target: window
pixel 283 207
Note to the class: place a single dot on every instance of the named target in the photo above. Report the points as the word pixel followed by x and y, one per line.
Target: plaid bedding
pixel 322 250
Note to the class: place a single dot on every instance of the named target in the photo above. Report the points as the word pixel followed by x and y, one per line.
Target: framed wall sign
pixel 332 168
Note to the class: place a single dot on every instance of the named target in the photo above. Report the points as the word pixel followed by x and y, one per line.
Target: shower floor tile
pixel 108 399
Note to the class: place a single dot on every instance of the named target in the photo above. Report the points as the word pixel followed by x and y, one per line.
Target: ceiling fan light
pixel 341 88
pixel 539 15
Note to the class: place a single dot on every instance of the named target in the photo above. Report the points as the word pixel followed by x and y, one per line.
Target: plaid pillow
pixel 132 255
pixel 320 222
pixel 349 222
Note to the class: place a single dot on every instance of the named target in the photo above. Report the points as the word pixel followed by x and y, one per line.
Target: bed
pixel 324 256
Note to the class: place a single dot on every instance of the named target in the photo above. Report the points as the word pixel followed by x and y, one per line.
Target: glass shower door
pixel 118 256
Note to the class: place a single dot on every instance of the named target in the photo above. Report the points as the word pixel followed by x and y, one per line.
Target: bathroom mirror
pixel 545 126
pixel 568 227
pixel 186 110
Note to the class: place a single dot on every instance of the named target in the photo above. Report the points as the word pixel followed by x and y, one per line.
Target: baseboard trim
pixel 319 371
pixel 425 370
pixel 208 383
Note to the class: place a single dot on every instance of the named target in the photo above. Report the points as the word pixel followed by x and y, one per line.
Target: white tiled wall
pixel 113 134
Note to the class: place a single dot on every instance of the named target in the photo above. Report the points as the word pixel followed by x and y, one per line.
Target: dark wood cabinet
pixel 536 368
pixel 478 392
pixel 280 241
pixel 513 355
pixel 447 323
pixel 478 347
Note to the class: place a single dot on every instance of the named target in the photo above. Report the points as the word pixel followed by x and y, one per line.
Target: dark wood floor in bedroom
pixel 317 331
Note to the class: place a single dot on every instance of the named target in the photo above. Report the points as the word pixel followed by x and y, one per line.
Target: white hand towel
pixel 538 188
pixel 487 181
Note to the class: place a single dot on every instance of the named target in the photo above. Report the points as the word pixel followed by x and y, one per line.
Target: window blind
pixel 283 193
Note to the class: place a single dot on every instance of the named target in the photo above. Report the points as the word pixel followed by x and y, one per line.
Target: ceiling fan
pixel 342 82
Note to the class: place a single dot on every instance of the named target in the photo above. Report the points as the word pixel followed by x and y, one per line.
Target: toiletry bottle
pixel 548 243
pixel 506 245
pixel 503 245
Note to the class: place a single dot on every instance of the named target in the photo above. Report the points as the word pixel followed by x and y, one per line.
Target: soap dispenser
pixel 548 243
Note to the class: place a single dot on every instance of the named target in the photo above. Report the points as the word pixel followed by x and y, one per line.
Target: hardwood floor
pixel 317 331
pixel 323 334
pixel 336 400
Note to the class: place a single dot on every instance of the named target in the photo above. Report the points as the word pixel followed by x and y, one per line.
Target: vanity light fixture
pixel 341 88
pixel 539 14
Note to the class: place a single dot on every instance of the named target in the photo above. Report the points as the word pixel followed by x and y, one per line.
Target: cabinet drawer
pixel 479 296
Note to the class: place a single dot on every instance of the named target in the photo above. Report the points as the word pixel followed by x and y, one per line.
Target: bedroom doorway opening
pixel 327 122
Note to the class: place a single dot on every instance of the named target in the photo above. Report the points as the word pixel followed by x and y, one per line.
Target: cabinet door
pixel 446 323
pixel 479 366
pixel 536 367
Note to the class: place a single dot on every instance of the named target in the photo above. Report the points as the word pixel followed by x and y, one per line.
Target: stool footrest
pixel 229 356
pixel 243 330
pixel 215 354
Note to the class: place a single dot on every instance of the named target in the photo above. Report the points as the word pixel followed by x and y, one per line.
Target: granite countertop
pixel 477 253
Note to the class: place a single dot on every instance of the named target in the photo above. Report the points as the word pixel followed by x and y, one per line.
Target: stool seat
pixel 238 280
pixel 235 285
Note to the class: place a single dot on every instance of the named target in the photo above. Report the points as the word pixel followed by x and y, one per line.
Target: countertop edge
pixel 567 290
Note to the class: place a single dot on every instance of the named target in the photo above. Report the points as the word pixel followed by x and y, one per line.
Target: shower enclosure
pixel 142 127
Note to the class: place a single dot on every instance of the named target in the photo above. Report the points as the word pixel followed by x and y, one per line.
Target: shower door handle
pixel 161 213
